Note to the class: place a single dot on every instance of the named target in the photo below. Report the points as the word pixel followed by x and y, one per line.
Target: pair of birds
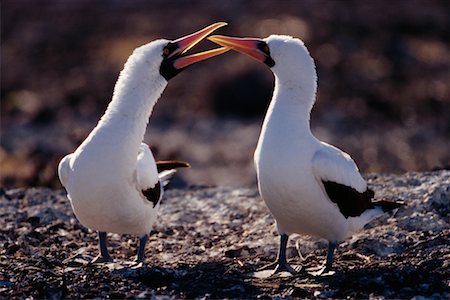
pixel 310 187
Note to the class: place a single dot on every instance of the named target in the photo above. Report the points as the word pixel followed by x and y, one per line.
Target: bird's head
pixel 168 58
pixel 287 56
pixel 174 58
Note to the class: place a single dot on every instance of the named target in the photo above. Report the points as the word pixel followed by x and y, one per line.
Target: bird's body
pixel 291 163
pixel 309 186
pixel 112 179
pixel 296 197
pixel 107 173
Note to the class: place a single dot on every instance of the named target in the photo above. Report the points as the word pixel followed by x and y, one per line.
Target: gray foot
pixel 278 268
pixel 102 259
pixel 280 265
pixel 322 271
pixel 326 270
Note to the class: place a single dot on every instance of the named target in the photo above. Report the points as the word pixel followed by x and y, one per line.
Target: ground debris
pixel 208 242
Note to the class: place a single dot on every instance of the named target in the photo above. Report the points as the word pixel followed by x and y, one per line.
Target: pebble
pixel 207 240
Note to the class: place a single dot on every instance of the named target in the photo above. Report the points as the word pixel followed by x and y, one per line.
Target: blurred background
pixel 383 70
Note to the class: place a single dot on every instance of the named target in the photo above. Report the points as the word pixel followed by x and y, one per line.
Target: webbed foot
pixel 102 259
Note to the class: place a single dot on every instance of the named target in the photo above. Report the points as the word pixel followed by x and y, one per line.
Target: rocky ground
pixel 209 240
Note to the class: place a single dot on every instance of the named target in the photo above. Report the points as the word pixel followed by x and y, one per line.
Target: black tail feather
pixel 163 165
pixel 387 205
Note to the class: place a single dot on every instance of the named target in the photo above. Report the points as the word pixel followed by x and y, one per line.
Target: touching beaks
pixel 185 61
pixel 187 42
pixel 248 46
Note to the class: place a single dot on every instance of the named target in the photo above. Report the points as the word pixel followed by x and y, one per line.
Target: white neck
pixel 123 125
pixel 133 102
pixel 290 107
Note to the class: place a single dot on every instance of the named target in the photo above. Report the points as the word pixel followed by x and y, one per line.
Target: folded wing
pixel 343 184
pixel 147 180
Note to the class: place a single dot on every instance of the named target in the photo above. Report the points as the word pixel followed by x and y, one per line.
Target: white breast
pixel 285 177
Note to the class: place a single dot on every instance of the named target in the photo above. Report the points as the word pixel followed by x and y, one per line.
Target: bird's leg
pixel 281 263
pixel 329 261
pixel 104 255
pixel 141 250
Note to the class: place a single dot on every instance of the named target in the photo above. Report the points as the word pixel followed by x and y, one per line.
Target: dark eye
pixel 166 51
pixel 264 48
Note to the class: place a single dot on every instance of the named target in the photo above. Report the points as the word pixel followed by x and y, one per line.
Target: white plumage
pixel 112 179
pixel 106 174
pixel 290 162
pixel 332 164
pixel 309 186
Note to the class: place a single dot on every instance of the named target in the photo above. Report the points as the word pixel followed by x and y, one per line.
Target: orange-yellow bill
pixel 185 61
pixel 247 46
pixel 187 42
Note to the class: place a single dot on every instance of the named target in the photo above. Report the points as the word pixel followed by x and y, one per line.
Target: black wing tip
pixel 153 194
pixel 163 165
pixel 350 202
pixel 388 205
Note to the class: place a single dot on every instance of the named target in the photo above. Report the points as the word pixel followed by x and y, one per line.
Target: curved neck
pixel 121 129
pixel 291 104
pixel 133 102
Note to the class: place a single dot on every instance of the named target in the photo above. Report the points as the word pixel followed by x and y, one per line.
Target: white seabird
pixel 112 180
pixel 309 186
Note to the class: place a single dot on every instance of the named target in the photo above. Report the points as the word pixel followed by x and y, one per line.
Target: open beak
pixel 247 46
pixel 187 42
